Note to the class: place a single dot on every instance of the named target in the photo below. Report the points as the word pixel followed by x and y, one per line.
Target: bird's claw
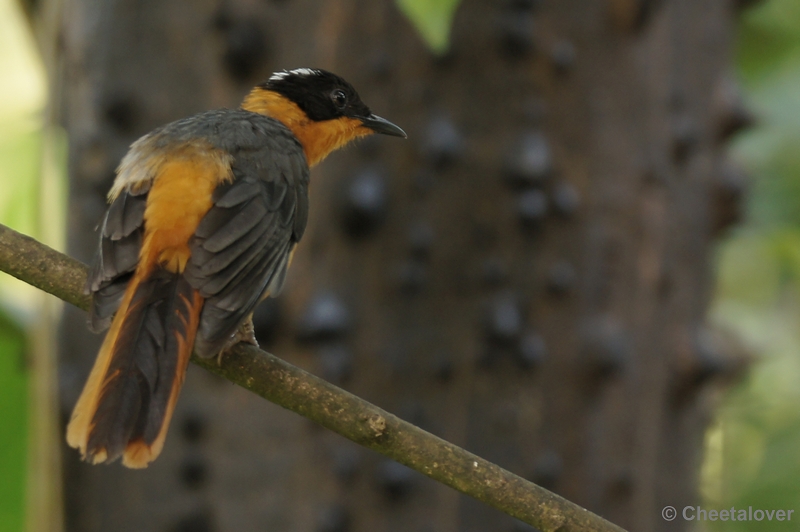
pixel 244 334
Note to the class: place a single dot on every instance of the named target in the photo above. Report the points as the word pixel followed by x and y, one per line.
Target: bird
pixel 204 216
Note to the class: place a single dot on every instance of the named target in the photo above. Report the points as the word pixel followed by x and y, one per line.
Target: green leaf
pixel 768 36
pixel 13 430
pixel 433 19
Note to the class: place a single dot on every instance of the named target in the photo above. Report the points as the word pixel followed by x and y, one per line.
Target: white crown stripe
pixel 277 76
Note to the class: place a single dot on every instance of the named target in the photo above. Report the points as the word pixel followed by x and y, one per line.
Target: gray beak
pixel 381 125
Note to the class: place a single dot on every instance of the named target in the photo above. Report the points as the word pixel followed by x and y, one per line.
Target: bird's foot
pixel 245 333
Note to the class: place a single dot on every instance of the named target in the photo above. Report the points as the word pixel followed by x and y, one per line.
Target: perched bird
pixel 204 217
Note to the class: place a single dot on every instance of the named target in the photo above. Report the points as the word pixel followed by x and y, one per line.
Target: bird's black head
pixel 322 96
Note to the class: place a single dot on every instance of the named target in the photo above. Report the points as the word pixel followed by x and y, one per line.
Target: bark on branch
pixel 340 411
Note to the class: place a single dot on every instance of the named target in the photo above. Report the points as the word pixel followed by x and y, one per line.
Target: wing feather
pixel 242 247
pixel 117 254
pixel 249 214
pixel 215 262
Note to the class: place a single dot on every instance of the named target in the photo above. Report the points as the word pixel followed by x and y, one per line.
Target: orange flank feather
pixel 317 138
pixel 180 195
pixel 178 200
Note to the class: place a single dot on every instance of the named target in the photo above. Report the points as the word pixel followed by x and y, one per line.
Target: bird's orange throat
pixel 317 138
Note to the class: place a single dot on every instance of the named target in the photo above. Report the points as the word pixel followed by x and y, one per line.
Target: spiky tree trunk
pixel 526 276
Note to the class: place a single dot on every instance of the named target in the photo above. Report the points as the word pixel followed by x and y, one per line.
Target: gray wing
pixel 117 254
pixel 241 248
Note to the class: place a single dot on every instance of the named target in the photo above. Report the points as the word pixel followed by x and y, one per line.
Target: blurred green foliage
pixel 21 100
pixel 432 19
pixel 13 392
pixel 18 171
pixel 769 38
pixel 19 168
pixel 753 456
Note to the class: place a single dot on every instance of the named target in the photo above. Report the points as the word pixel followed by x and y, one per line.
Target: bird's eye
pixel 339 98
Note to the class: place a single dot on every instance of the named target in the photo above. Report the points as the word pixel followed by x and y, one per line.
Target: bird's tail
pixel 127 402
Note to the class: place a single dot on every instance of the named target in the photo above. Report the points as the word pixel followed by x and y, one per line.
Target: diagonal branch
pixel 338 410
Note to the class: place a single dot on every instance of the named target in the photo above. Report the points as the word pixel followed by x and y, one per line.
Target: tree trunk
pixel 526 276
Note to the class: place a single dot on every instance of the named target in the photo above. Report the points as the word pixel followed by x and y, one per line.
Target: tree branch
pixel 340 411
